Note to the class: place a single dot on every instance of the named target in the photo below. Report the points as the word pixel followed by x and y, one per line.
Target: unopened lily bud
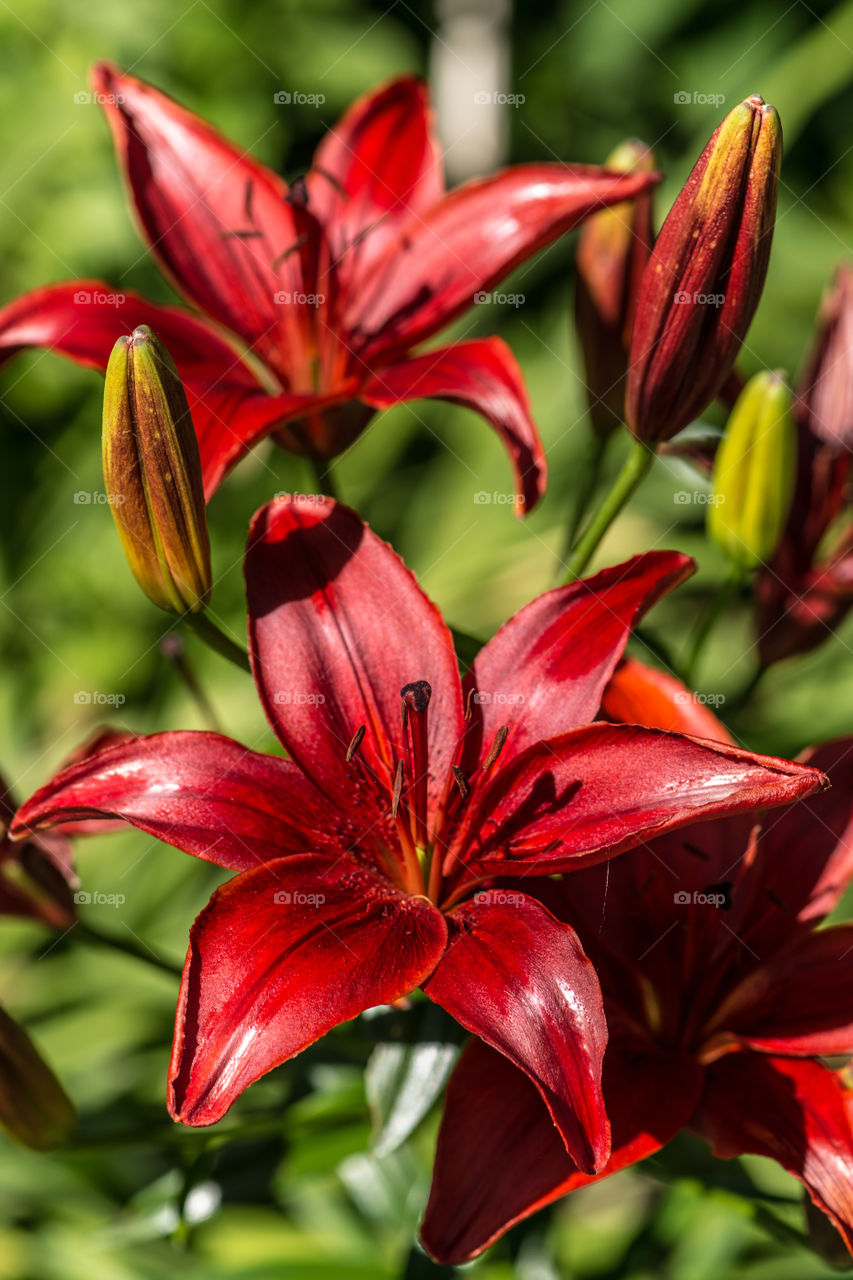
pixel 613 249
pixel 34 1107
pixel 826 392
pixel 703 281
pixel 152 472
pixel 754 473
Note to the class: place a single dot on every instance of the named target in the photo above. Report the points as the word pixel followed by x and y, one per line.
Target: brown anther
pixel 468 702
pixel 461 782
pixel 398 789
pixel 357 739
pixel 496 748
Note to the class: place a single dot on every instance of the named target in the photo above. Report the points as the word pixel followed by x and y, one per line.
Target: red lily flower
pixel 327 286
pixel 720 999
pixel 37 876
pixel 364 860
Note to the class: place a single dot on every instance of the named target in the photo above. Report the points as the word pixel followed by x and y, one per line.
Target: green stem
pixel 636 465
pixel 172 649
pixel 217 640
pixel 324 481
pixel 741 699
pixel 139 952
pixel 587 481
pixel 721 599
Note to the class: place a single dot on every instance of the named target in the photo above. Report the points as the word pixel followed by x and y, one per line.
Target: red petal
pixel 217 221
pixel 482 376
pixel 519 979
pixel 639 694
pixel 545 670
pixel 800 1002
pixel 468 242
pixel 499 1157
pixel 806 857
pixel 338 626
pixel 200 792
pixel 281 955
pixel 379 165
pixel 792 1111
pixel 84 319
pixel 591 793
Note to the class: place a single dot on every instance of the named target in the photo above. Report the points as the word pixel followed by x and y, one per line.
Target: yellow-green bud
pixel 152 472
pixel 754 473
pixel 34 1107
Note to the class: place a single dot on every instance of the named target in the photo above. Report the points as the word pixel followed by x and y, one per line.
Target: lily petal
pixel 468 242
pixel 587 795
pixel 519 979
pixel 200 792
pixel 483 376
pixel 800 1002
pixel 806 857
pixel 544 671
pixel 793 1111
pixel 639 694
pixel 217 220
pixel 338 625
pixel 278 957
pixel 83 319
pixel 378 166
pixel 499 1157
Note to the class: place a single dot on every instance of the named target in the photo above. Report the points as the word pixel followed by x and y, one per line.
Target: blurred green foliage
pixel 303 1197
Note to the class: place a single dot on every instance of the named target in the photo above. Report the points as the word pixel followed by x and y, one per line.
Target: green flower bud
pixel 34 1107
pixel 152 472
pixel 754 473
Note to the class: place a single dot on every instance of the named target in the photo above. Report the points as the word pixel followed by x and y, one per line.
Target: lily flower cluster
pixel 561 847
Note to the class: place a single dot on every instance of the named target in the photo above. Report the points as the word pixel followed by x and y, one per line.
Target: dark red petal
pixel 217 220
pixel 499 1157
pixel 592 793
pixel 793 1111
pixel 338 625
pixel 200 792
pixel 519 979
pixel 545 670
pixel 800 1002
pixel 639 694
pixel 83 320
pixel 468 242
pixel 378 166
pixel 278 957
pixel 483 376
pixel 806 856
